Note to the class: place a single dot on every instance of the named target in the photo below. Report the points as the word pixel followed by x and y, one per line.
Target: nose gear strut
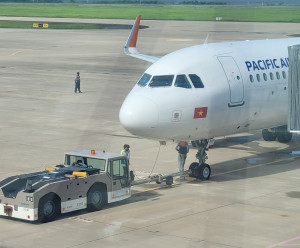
pixel 200 169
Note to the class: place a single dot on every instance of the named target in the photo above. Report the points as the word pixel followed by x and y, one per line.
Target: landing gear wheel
pixel 192 168
pixel 96 198
pixel 48 208
pixel 202 172
pixel 169 180
pixel 267 135
pixel 284 137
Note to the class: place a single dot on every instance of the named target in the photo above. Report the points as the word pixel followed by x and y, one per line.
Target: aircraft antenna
pixel 206 39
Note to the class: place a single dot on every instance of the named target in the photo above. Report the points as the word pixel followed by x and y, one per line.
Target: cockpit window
pixel 182 81
pixel 161 81
pixel 196 81
pixel 144 80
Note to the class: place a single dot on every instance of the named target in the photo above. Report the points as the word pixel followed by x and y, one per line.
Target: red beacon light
pixel 93 152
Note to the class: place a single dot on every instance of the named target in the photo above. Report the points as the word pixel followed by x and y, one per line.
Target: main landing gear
pixel 200 169
pixel 279 133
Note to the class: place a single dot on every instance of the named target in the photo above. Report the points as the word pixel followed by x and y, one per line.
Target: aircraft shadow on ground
pixel 269 162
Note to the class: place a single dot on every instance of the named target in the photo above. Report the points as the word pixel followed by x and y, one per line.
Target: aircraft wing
pixel 130 47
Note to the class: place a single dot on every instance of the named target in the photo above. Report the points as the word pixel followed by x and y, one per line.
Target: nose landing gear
pixel 200 169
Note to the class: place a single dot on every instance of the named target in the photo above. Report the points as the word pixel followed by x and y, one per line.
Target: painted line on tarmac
pixel 15 53
pixel 26 50
pixel 180 40
pixel 286 243
pixel 188 179
pixel 152 189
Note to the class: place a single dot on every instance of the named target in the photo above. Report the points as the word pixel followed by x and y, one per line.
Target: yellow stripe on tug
pixel 80 173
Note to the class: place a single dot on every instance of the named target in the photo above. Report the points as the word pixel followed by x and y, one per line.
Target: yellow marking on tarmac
pixel 25 50
pixel 15 53
pixel 180 40
pixel 190 179
pixel 152 189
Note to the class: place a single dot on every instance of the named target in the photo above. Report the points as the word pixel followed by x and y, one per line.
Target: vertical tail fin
pixel 130 46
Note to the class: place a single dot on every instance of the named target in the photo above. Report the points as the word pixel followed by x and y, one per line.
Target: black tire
pixel 284 137
pixel 96 198
pixel 202 172
pixel 49 208
pixel 268 136
pixel 169 180
pixel 192 168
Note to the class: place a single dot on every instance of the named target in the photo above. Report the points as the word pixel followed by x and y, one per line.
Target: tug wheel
pixel 49 208
pixel 96 198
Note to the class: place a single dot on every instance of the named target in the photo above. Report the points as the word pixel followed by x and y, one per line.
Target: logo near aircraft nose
pixel 200 112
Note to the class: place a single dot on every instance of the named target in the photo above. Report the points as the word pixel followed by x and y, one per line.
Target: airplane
pixel 210 90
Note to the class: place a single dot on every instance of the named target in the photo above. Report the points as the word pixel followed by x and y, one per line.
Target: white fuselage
pixel 245 88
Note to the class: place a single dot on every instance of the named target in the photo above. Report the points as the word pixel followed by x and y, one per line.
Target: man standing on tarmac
pixel 77 83
pixel 182 148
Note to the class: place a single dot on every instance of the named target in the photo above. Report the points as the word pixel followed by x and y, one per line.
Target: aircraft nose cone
pixel 139 115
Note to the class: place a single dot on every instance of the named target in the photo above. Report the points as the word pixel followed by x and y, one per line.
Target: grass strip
pixel 153 12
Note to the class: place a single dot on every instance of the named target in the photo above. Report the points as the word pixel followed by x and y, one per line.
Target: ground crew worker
pixel 182 148
pixel 126 152
pixel 77 83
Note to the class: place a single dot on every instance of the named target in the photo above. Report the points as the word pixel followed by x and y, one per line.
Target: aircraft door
pixel 234 79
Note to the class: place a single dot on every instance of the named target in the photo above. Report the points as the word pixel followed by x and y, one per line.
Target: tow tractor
pixel 99 179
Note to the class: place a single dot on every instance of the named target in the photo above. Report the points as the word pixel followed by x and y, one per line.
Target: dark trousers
pixel 77 87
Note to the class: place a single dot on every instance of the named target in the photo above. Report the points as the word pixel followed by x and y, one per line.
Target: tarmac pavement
pixel 252 199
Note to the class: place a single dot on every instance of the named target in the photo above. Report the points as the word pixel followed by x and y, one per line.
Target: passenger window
pixel 196 81
pixel 271 76
pixel 182 81
pixel 161 81
pixel 277 75
pixel 258 77
pixel 284 74
pixel 144 80
pixel 251 79
pixel 265 76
